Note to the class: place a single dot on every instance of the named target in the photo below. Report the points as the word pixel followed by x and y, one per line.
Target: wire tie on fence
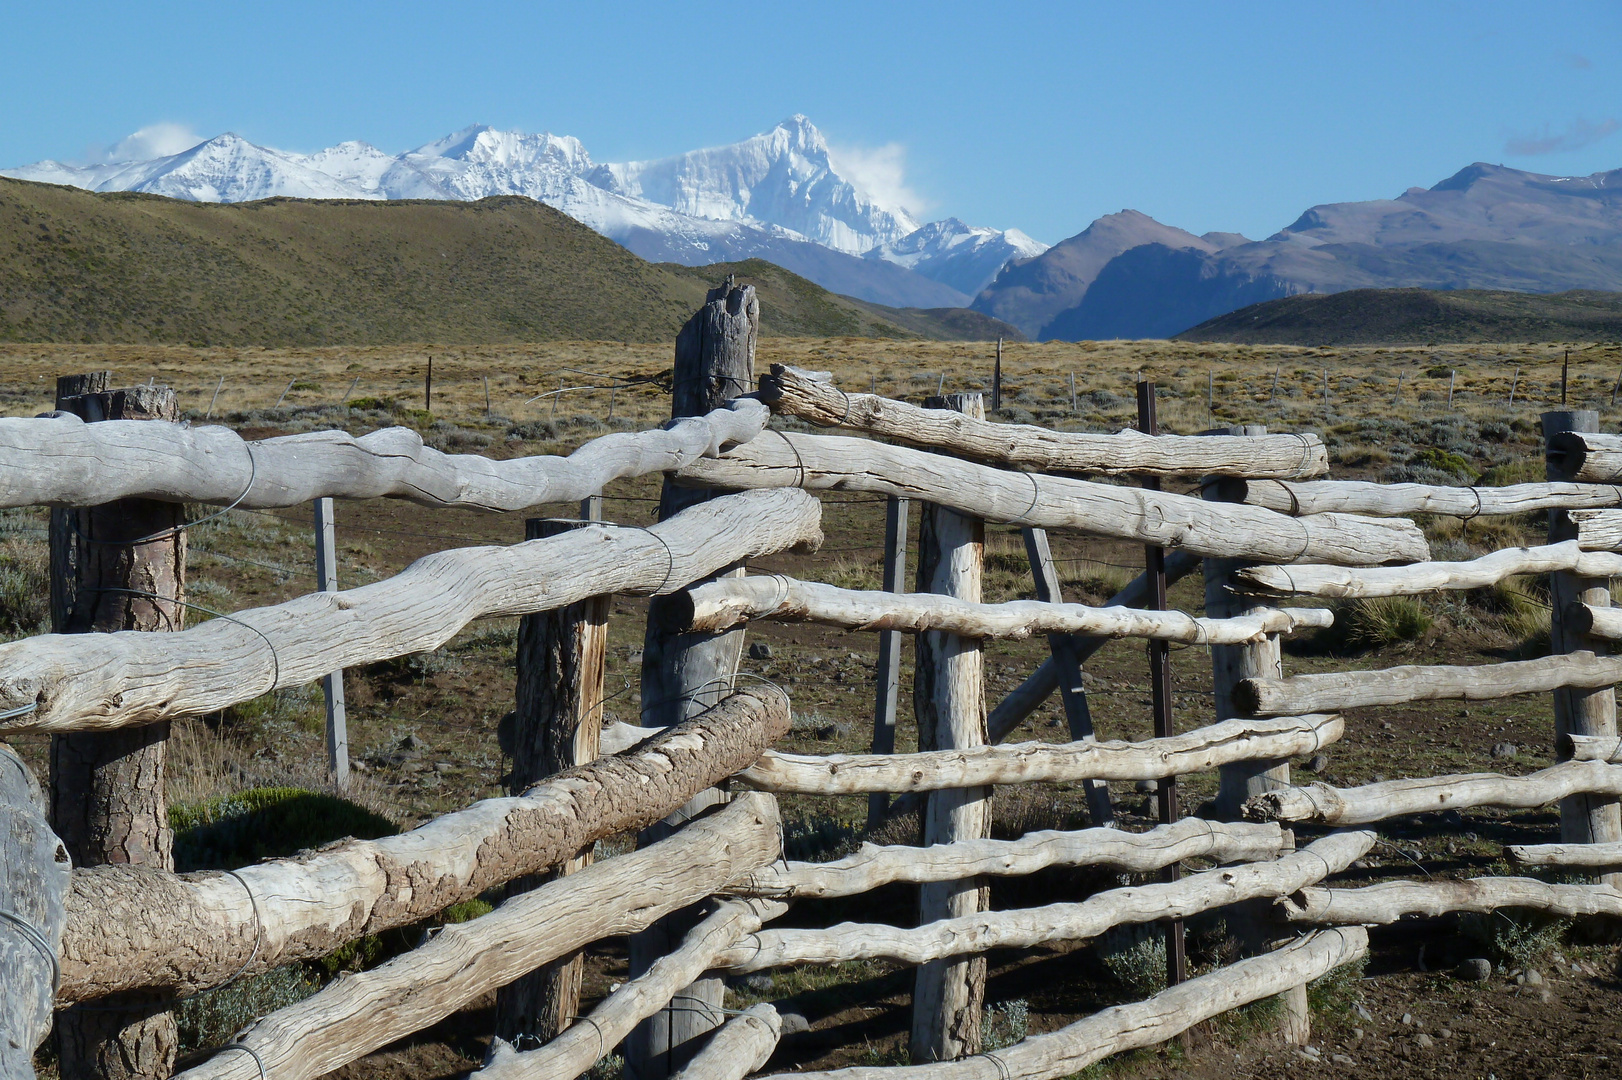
pixel 1306 454
pixel 842 420
pixel 798 461
pixel 258 932
pixel 1404 854
pixel 670 557
pixel 1036 497
pixel 38 941
pixel 176 530
pixel 602 1047
pixel 275 661
pixel 21 710
pixel 251 1052
pixel 1002 1066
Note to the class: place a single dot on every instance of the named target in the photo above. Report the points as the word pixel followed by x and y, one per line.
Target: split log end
pixel 1248 695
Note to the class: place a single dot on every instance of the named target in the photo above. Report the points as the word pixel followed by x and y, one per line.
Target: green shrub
pixel 1445 461
pixel 25 588
pixel 1338 991
pixel 1528 470
pixel 212 1017
pixel 1385 620
pixel 1513 936
pixel 1136 956
pixel 262 823
pixel 1006 1024
pixel 305 385
pixel 372 404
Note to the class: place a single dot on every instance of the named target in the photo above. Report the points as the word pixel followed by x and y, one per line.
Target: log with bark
pixel 873 866
pixel 811 396
pixel 1071 1049
pixel 1396 798
pixel 1341 690
pixel 34 870
pixel 1389 901
pixel 1394 500
pixel 94 681
pixel 728 602
pixel 1334 581
pixel 1025 928
pixel 358 1014
pixel 573 1052
pixel 63 461
pixel 818 462
pixel 1041 762
pixel 129 927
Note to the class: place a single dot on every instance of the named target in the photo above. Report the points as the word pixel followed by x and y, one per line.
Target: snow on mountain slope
pixel 782 177
pixel 966 257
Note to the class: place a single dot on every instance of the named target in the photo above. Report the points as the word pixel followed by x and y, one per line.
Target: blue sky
pixel 1041 116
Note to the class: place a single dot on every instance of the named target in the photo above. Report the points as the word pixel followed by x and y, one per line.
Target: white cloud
pixel 880 172
pixel 152 141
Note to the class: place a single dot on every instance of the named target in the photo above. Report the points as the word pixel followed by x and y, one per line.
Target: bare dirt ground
pixel 451 701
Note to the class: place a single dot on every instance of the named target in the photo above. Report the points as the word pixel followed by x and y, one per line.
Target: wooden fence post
pixel 949 700
pixel 557 724
pixel 683 674
pixel 107 793
pixel 888 672
pixel 34 878
pixel 1240 781
pixel 332 684
pixel 1067 658
pixel 1584 819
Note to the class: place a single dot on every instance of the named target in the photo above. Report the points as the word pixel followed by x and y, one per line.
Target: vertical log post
pixel 683 674
pixel 1240 781
pixel 1067 658
pixel 332 684
pixel 1584 819
pixel 34 876
pixel 888 672
pixel 107 793
pixel 1154 567
pixel 949 700
pixel 557 724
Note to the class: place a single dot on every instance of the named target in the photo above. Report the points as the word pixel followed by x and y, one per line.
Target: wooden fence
pixel 1266 526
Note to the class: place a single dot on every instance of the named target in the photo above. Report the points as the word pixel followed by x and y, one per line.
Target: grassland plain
pixel 423 728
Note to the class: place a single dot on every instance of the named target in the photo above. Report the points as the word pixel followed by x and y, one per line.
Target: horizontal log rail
pixel 742 1045
pixel 720 605
pixel 1604 854
pixel 1161 518
pixel 63 461
pixel 1599 622
pixel 1389 901
pixel 1390 500
pixel 1592 747
pixel 874 866
pixel 1120 1028
pixel 592 1037
pixel 1340 582
pixel 1025 928
pixel 1341 690
pixel 83 682
pixel 131 927
pixel 1586 456
pixel 1597 530
pixel 1041 762
pixel 1397 798
pixel 355 1015
pixel 813 398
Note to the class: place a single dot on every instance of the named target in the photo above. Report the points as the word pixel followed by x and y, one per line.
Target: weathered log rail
pixel 1389 901
pixel 1343 583
pixel 1392 500
pixel 88 682
pixel 62 461
pixel 810 396
pixel 720 605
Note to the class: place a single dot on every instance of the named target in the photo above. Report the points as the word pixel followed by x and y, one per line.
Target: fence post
pixel 332 684
pixel 949 700
pixel 888 671
pixel 107 793
pixel 1072 692
pixel 683 674
pixel 34 882
pixel 557 723
pixel 1241 780
pixel 1584 819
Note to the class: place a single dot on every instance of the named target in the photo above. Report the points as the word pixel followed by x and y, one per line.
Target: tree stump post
pixel 950 703
pixel 1241 780
pixel 1584 819
pixel 107 788
pixel 887 674
pixel 684 674
pixel 557 724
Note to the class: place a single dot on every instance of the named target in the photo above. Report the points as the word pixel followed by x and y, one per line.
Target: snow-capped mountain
pixel 778 196
pixel 966 257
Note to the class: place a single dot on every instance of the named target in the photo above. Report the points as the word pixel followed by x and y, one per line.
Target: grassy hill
pixel 81 267
pixel 1419 316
